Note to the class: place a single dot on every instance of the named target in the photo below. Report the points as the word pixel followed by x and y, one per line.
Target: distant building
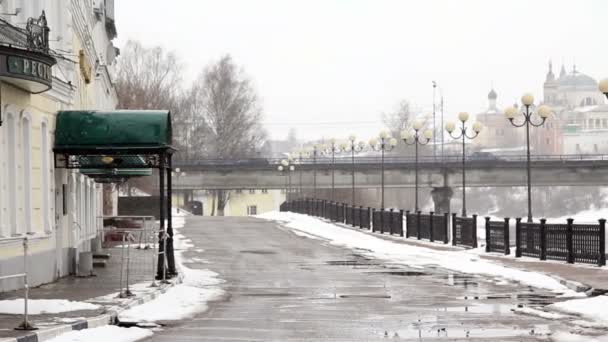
pixel 246 202
pixel 277 148
pixel 498 133
pixel 579 123
pixel 582 116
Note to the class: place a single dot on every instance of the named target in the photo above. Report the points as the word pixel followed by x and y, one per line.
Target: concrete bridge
pixel 440 175
pixel 572 170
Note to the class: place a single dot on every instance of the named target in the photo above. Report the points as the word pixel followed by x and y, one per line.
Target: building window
pixel 239 191
pixel 45 173
pixel 595 148
pixel 264 191
pixel 27 173
pixel 10 129
pixel 252 210
pixel 252 191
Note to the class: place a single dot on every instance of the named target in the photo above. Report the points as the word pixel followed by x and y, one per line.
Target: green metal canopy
pixel 115 175
pixel 116 172
pixel 113 132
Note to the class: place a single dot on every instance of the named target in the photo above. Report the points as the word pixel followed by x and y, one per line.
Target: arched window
pixel 26 149
pixel 10 128
pixel 45 174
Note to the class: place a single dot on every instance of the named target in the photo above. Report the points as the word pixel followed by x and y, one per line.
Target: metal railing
pixel 143 238
pixel 26 324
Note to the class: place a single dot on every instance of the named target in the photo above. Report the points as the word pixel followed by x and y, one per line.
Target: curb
pixel 109 318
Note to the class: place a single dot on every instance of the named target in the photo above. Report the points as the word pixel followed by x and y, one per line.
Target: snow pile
pixel 184 300
pixel 104 334
pixel 43 306
pixel 569 337
pixel 593 308
pixel 461 261
pixel 179 302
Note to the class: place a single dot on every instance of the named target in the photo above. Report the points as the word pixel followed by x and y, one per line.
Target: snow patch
pixel 593 308
pixel 43 306
pixel 104 334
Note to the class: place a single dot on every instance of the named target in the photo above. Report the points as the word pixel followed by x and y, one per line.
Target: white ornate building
pixel 580 109
pixel 55 208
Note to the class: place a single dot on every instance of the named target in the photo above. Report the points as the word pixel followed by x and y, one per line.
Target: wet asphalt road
pixel 282 287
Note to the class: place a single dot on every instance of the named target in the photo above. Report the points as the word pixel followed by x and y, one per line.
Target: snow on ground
pixel 43 306
pixel 569 337
pixel 593 308
pixel 586 216
pixel 461 261
pixel 104 334
pixel 184 300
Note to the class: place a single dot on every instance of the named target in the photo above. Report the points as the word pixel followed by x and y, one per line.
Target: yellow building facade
pixel 55 209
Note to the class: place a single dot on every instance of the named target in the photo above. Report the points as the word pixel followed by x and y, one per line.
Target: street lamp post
pixel 416 139
pixel 450 127
pixel 353 147
pixel 332 149
pixel 385 144
pixel 314 152
pixel 604 86
pixel 543 112
pixel 285 168
pixel 300 154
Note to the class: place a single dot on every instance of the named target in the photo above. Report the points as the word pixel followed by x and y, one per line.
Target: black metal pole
pixel 416 172
pixel 333 160
pixel 464 184
pixel 352 146
pixel 300 191
pixel 314 172
pixel 161 250
pixel 289 186
pixel 382 177
pixel 529 180
pixel 170 255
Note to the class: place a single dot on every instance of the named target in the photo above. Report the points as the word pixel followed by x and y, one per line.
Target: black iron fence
pixel 497 236
pixel 569 242
pixel 430 227
pixel 464 231
pixel 387 221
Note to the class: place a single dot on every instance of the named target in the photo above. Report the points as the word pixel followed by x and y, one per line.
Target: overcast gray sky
pixel 330 67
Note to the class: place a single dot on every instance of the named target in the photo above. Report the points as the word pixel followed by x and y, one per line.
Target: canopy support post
pixel 170 256
pixel 161 235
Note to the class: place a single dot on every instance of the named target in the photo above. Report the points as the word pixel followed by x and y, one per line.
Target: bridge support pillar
pixel 442 196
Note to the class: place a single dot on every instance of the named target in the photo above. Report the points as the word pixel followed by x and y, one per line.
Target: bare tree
pixel 227 103
pixel 398 120
pixel 151 78
pixel 147 78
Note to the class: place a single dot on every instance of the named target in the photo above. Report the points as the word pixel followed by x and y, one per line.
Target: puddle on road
pixel 366 296
pixel 280 294
pixel 263 252
pixel 403 273
pixel 351 263
pixel 432 330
